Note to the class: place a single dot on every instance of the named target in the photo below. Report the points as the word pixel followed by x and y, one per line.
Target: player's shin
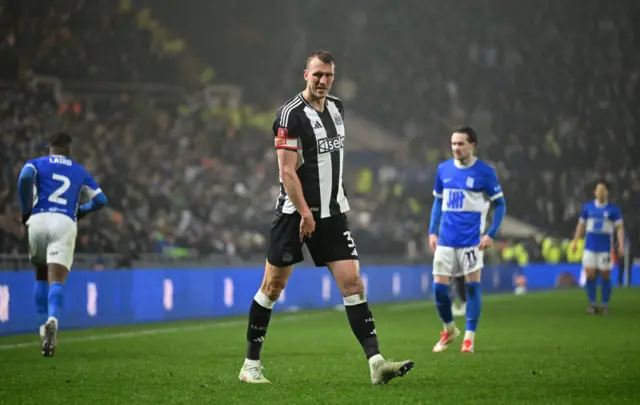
pixel 443 304
pixel 474 308
pixel 55 300
pixel 606 289
pixel 362 323
pixel 41 297
pixel 259 317
pixel 591 288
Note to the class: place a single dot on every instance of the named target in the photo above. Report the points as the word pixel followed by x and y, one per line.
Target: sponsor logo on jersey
pixel 329 145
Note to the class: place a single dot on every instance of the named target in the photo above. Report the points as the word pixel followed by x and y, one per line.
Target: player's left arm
pixel 494 190
pixel 97 198
pixel 25 189
pixel 617 221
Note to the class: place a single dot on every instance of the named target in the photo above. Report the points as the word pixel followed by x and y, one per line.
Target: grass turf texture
pixel 539 348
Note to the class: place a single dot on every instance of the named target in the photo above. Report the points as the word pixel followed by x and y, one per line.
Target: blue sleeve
pixel 25 187
pixel 492 186
pixel 438 188
pixel 584 215
pixel 498 216
pixel 436 213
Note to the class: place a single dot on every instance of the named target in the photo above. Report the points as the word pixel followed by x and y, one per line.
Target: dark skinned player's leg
pixel 57 275
pixel 41 296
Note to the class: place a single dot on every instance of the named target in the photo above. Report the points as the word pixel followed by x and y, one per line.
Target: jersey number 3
pixel 55 197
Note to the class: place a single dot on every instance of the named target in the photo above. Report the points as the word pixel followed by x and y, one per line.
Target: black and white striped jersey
pixel 318 139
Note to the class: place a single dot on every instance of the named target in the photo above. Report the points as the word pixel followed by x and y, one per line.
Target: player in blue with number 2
pixel 599 218
pixel 51 189
pixel 464 189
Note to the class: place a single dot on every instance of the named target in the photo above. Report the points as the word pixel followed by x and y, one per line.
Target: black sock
pixel 363 326
pixel 259 318
pixel 461 289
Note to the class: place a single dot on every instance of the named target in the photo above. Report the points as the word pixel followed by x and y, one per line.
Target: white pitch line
pixel 157 331
pixel 225 324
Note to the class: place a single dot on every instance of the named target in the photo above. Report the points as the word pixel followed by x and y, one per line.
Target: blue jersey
pixel 467 193
pixel 60 185
pixel 601 221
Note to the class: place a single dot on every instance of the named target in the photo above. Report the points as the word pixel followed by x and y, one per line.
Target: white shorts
pixel 453 262
pixel 596 260
pixel 52 239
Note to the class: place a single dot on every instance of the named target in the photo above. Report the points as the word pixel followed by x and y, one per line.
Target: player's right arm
pixel 97 198
pixel 436 212
pixel 580 228
pixel 25 189
pixel 286 130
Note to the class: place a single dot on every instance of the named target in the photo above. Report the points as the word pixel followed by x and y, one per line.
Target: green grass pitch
pixel 540 348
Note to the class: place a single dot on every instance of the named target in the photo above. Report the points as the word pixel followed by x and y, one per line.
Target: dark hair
pixel 324 56
pixel 472 137
pixel 604 183
pixel 60 140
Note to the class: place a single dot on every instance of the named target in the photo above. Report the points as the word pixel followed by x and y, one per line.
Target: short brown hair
pixel 324 56
pixel 472 136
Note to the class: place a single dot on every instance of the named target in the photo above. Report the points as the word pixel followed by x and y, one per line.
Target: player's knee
pixel 352 285
pixel 473 277
pixel 42 273
pixel 273 287
pixel 442 279
pixel 57 273
pixel 606 275
pixel 590 274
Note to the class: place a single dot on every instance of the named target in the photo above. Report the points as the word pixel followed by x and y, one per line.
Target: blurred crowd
pixel 551 87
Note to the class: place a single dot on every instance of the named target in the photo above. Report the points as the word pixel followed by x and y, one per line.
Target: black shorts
pixel 330 242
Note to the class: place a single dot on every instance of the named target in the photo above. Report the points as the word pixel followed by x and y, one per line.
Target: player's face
pixel 601 192
pixel 319 77
pixel 461 147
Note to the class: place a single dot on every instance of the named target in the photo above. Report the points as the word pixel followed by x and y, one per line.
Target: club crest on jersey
pixel 337 119
pixel 470 182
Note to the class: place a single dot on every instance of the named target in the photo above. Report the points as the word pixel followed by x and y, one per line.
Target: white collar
pixel 598 205
pixel 459 165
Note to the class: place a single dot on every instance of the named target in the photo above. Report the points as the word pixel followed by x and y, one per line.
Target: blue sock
pixel 590 286
pixel 474 305
pixel 443 302
pixel 606 292
pixel 56 300
pixel 41 296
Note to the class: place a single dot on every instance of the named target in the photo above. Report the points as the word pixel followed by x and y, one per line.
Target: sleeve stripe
pixel 437 195
pixel 618 222
pixel 495 197
pixel 286 147
pixel 31 166
pixel 580 219
pixel 91 193
pixel 286 110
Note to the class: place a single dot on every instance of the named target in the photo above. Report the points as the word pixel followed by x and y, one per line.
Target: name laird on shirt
pixel 60 161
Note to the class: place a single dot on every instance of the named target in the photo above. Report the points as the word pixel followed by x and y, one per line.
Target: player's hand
pixel 307 226
pixel 485 243
pixel 433 242
pixel 574 246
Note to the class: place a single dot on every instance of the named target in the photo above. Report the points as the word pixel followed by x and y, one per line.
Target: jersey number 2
pixel 55 197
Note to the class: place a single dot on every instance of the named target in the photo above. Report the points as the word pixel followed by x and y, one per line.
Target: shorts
pixel 330 242
pixel 456 262
pixel 596 260
pixel 52 239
